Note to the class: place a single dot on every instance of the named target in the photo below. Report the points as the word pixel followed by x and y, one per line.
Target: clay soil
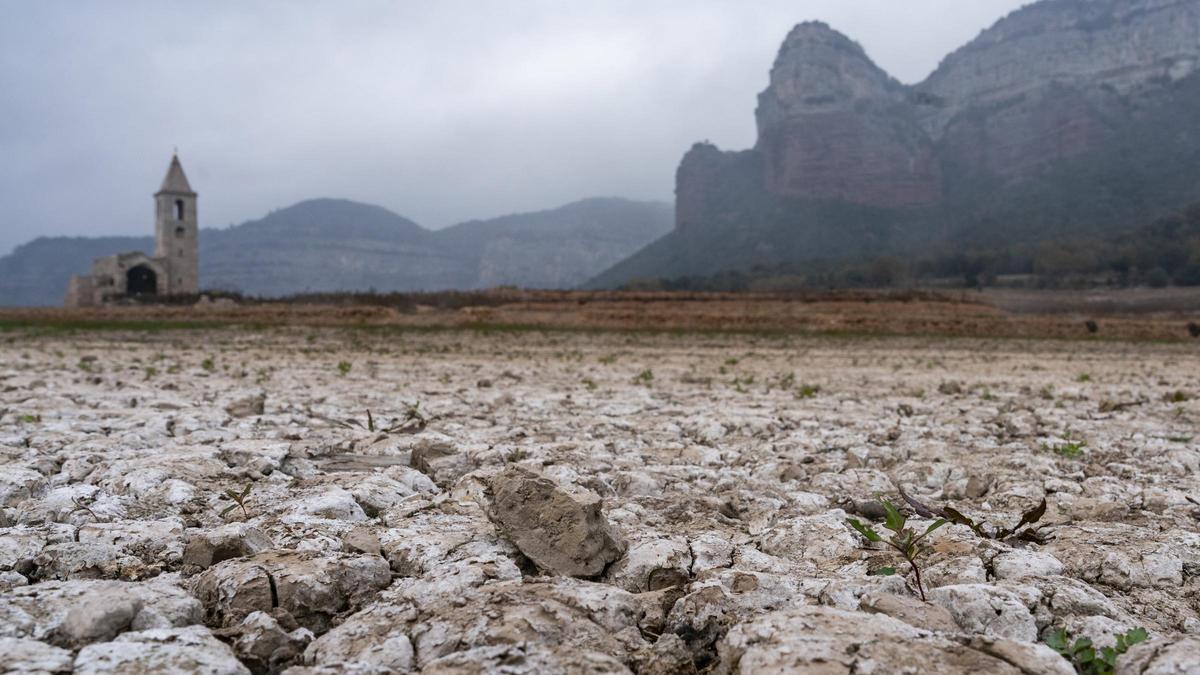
pixel 729 442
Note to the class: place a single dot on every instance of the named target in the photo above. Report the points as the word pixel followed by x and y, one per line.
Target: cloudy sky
pixel 440 110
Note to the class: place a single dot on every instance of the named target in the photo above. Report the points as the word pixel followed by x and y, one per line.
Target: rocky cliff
pixel 1063 116
pixel 832 125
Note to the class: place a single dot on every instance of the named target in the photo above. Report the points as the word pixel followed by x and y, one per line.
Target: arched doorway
pixel 141 280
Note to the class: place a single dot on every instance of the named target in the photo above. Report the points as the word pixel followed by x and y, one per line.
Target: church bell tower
pixel 176 232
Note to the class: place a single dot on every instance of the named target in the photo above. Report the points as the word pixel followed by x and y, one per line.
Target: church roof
pixel 175 180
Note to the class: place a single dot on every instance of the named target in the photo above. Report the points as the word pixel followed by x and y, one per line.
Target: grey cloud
pixel 440 111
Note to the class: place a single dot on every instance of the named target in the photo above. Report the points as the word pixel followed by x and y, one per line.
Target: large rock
pixel 234 540
pixel 164 650
pixel 72 614
pixel 562 530
pixel 30 656
pixel 825 640
pixel 988 610
pixel 313 587
pixel 1161 657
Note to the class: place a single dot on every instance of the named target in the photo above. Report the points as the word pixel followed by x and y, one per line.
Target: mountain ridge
pixel 328 244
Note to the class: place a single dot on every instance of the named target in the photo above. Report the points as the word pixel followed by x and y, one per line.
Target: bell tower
pixel 176 232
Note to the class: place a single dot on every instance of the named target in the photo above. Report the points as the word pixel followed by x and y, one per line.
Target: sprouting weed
pixel 1084 656
pixel 344 367
pixel 208 365
pixel 905 541
pixel 807 391
pixel 644 378
pixel 239 500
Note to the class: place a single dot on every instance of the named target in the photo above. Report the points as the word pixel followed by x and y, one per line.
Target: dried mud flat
pixel 522 502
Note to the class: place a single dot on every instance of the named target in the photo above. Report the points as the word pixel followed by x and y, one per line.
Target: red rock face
pixel 832 125
pixel 855 158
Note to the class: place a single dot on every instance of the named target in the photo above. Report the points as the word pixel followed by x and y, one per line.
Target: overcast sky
pixel 440 110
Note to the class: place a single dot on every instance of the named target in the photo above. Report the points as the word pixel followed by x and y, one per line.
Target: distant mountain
pixel 337 245
pixel 1068 117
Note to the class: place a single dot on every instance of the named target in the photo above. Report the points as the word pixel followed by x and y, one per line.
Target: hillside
pixel 335 245
pixel 1065 118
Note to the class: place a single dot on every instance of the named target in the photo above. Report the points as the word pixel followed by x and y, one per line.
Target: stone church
pixel 174 269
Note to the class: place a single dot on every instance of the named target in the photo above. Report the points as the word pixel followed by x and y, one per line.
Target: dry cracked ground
pixel 223 502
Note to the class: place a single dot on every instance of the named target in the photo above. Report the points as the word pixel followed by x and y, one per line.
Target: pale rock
pixel 192 649
pixel 1161 657
pixel 827 640
pixel 1021 563
pixel 711 551
pixel 232 540
pixel 247 406
pixel 77 560
pixel 18 483
pixel 987 610
pixel 652 565
pixel 911 611
pixel 19 655
pixel 312 587
pixel 332 504
pixel 266 646
pixel 824 540
pixel 379 492
pixel 69 613
pixel 561 529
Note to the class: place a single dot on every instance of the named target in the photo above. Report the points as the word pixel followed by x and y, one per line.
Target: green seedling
pixel 905 541
pixel 239 500
pixel 1070 449
pixel 344 368
pixel 208 365
pixel 807 391
pixel 1025 530
pixel 644 378
pixel 1084 656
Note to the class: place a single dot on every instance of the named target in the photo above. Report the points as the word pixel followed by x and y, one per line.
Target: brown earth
pixel 1128 315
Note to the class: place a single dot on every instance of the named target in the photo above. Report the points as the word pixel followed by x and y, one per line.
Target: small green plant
pixel 1084 377
pixel 150 372
pixel 1084 656
pixel 344 368
pixel 31 419
pixel 907 542
pixel 239 500
pixel 208 365
pixel 609 359
pixel 1069 449
pixel 644 378
pixel 807 391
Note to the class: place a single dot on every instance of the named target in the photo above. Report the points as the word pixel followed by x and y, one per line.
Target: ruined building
pixel 174 269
